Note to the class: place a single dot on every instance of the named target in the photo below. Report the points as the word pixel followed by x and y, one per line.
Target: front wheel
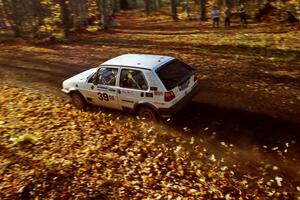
pixel 147 113
pixel 78 101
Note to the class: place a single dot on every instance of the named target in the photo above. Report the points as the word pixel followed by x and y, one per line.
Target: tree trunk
pixel 202 4
pixel 85 10
pixel 187 9
pixel 13 16
pixel 66 23
pixel 174 10
pixel 159 4
pixel 102 7
pixel 104 17
pixel 3 16
pixel 83 14
pixel 147 7
pixel 156 5
pixel 116 6
pixel 298 14
pixel 38 14
pixel 124 4
pixel 228 3
pixel 134 4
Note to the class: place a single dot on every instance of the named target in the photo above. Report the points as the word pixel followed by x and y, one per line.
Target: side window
pixel 107 76
pixel 133 79
pixel 92 78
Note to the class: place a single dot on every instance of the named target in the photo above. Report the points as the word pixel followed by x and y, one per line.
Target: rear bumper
pixel 180 104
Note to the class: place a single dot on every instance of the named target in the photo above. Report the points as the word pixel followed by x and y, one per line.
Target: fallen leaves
pixel 278 181
pixel 73 154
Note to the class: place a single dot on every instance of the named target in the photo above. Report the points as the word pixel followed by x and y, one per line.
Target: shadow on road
pixel 235 126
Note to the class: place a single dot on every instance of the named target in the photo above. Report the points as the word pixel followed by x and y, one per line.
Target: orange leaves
pixel 96 154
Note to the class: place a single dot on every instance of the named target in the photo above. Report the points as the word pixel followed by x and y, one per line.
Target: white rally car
pixel 149 85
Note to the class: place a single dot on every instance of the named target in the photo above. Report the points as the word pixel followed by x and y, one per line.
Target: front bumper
pixel 65 91
pixel 180 104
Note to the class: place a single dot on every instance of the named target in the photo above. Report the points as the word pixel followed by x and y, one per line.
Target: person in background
pixel 227 15
pixel 243 18
pixel 215 15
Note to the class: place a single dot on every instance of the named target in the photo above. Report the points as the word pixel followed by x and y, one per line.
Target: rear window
pixel 174 74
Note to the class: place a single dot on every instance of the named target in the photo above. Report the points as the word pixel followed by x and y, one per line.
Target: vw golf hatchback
pixel 149 85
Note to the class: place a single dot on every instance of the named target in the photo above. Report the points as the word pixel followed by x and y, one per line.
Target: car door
pixel 132 87
pixel 104 90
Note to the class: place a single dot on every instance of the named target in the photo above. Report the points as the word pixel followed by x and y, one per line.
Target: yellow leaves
pixel 125 158
pixel 275 148
pixel 192 141
pixel 23 139
pixel 186 129
pixel 99 182
pixel 87 151
pixel 287 144
pixel 279 181
pixel 213 158
pixel 92 28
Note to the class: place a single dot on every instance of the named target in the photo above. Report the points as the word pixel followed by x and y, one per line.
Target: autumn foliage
pixel 56 20
pixel 51 150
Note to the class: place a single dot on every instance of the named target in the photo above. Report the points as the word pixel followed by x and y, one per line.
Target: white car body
pixel 124 92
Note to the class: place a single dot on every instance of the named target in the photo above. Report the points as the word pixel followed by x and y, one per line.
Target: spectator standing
pixel 227 15
pixel 243 18
pixel 215 15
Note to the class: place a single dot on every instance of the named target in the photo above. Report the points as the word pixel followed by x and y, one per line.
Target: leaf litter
pixel 51 150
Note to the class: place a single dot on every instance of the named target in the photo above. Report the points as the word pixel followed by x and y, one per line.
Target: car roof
pixel 145 61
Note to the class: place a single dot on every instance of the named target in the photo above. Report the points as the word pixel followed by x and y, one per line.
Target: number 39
pixel 103 96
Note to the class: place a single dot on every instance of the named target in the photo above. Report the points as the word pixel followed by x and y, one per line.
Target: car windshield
pixel 174 74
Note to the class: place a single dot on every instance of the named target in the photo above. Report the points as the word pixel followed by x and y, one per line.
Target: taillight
pixel 169 96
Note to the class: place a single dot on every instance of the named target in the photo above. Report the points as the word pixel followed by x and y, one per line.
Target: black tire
pixel 147 113
pixel 78 101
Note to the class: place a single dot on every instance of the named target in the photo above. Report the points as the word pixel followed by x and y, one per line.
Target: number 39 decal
pixel 103 96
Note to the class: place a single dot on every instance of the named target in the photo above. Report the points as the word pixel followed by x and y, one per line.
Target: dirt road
pixel 249 97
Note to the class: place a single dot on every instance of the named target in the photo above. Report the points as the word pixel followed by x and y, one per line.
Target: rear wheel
pixel 147 113
pixel 78 101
